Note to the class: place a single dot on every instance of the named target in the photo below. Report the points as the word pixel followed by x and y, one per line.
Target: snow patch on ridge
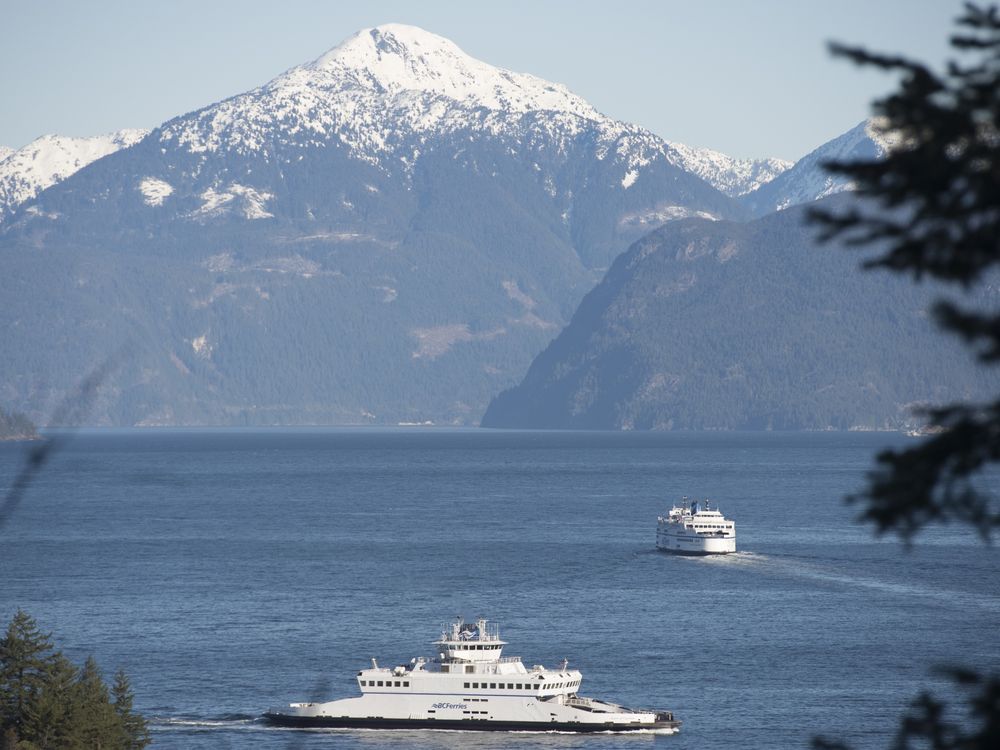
pixel 658 215
pixel 154 190
pixel 247 201
pixel 201 347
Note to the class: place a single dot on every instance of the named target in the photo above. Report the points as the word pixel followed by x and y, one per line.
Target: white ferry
pixel 695 528
pixel 471 686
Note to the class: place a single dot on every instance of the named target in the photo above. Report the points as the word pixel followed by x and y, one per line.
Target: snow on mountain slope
pixel 52 158
pixel 5 151
pixel 734 177
pixel 380 83
pixel 382 86
pixel 807 180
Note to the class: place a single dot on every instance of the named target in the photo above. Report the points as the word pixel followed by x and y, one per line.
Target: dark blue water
pixel 231 571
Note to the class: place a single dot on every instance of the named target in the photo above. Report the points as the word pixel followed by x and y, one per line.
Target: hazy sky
pixel 748 78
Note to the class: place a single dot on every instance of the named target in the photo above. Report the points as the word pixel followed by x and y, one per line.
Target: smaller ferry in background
pixel 695 528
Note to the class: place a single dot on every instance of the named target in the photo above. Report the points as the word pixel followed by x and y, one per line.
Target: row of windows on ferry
pixel 519 685
pixel 479 685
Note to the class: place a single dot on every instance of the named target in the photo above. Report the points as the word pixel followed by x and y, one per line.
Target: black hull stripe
pixel 476 725
pixel 691 552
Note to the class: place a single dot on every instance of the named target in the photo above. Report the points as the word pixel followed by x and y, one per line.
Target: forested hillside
pixel 719 325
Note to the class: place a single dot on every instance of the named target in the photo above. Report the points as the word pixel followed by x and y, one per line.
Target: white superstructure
pixel 695 528
pixel 470 685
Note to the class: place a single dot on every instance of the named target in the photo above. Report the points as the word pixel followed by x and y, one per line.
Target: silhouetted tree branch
pixel 928 723
pixel 932 204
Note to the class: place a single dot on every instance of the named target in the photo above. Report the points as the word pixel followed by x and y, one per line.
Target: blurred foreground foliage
pixel 933 202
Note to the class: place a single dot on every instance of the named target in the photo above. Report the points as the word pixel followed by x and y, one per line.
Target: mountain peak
pixel 388 42
pixel 395 58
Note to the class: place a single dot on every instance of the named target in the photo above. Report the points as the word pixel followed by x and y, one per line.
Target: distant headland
pixel 16 426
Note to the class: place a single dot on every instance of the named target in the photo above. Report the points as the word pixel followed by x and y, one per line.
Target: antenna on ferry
pixel 565 664
pixel 374 663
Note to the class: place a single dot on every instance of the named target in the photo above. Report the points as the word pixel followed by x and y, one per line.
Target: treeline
pixel 46 702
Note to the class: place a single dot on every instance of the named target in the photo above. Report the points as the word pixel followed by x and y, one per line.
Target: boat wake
pixel 223 721
pixel 796 567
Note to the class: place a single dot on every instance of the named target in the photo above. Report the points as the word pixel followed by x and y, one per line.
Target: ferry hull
pixel 468 725
pixel 696 546
pixel 694 553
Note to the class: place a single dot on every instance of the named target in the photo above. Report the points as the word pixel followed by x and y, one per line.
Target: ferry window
pixel 363 683
pixel 493 686
pixel 465 685
pixel 519 686
pixel 475 684
pixel 380 683
pixel 406 683
pixel 397 683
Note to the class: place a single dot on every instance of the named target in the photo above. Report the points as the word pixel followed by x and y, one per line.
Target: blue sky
pixel 746 78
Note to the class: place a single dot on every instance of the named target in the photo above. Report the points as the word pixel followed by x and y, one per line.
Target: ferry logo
pixel 450 705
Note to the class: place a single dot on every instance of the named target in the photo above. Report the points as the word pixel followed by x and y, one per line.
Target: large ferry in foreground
pixel 471 686
pixel 695 529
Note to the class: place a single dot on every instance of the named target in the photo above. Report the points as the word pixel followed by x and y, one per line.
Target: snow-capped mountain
pixel 374 90
pixel 734 177
pixel 381 92
pixel 807 181
pixel 387 233
pixel 50 159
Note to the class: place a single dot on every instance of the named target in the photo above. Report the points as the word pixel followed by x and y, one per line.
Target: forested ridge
pixel 721 325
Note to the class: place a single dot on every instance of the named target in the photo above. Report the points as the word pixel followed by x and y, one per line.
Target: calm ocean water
pixel 228 571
